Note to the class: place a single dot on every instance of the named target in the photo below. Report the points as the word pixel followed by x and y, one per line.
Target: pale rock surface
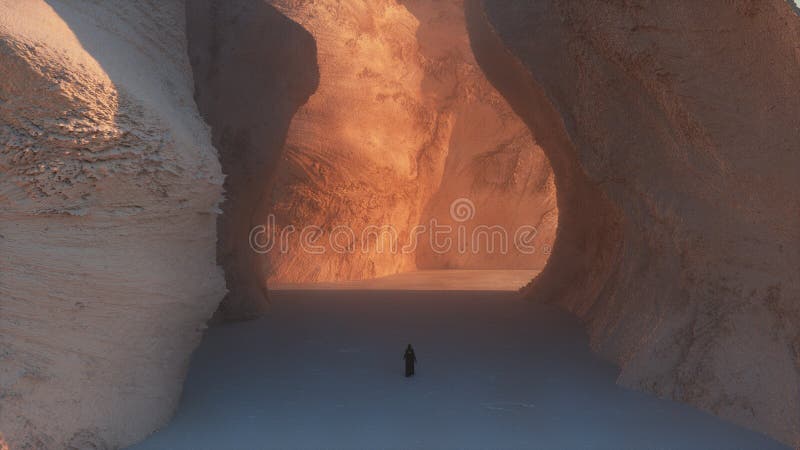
pixel 685 116
pixel 678 236
pixel 108 202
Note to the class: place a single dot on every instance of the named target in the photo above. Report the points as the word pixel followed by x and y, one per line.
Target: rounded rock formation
pixel 684 117
pixel 108 203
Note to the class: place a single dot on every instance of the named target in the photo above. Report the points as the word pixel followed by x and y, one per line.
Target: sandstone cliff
pixel 363 150
pixel 683 120
pixel 493 159
pixel 110 184
pixel 672 130
pixel 403 123
pixel 108 199
pixel 253 68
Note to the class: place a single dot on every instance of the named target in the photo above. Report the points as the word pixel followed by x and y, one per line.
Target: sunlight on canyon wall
pixel 403 123
pixel 357 122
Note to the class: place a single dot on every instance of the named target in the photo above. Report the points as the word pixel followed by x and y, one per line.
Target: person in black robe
pixel 410 360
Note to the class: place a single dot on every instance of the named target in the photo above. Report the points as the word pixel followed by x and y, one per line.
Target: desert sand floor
pixel 429 280
pixel 324 370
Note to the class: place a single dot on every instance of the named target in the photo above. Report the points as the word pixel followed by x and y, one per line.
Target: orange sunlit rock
pixel 402 124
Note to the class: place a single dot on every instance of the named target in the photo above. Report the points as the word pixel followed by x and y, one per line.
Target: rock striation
pixel 108 202
pixel 677 133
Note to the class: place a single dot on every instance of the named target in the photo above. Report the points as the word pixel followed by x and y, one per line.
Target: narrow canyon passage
pixel 324 370
pixel 379 125
pixel 582 213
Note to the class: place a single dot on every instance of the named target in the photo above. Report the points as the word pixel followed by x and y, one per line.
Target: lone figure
pixel 410 360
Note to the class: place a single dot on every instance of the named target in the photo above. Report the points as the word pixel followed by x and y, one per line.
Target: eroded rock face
pixel 253 68
pixel 363 150
pixel 686 117
pixel 493 159
pixel 358 120
pixel 108 195
pixel 402 123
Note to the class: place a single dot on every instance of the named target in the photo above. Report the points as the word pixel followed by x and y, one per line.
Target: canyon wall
pixel 362 152
pixel 110 188
pixel 683 119
pixel 253 68
pixel 342 128
pixel 493 159
pixel 402 124
pixel 672 130
pixel 108 203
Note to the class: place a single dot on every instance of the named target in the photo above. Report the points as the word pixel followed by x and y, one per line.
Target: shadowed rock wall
pixel 253 68
pixel 686 117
